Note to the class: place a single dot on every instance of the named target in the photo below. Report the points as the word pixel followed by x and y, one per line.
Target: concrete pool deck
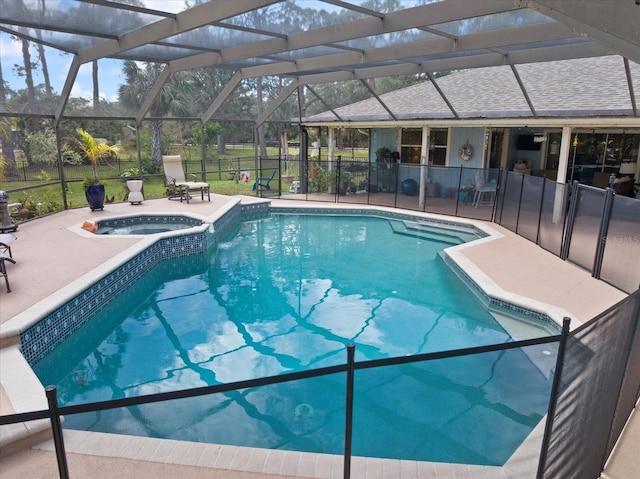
pixel 50 256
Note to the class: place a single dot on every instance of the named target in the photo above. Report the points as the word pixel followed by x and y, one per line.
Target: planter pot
pixel 433 190
pixel 95 196
pixel 135 192
pixel 287 178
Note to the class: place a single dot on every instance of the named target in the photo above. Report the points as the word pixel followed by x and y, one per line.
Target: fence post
pixel 573 208
pixel 544 186
pixel 494 209
pixel 519 203
pixel 203 152
pixel 602 232
pixel 502 193
pixel 348 417
pixel 553 399
pixel 56 428
pixel 63 181
pixel 458 191
pixel 338 177
pixel 279 174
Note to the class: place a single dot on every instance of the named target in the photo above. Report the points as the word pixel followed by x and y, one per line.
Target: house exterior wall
pixel 382 137
pixel 461 136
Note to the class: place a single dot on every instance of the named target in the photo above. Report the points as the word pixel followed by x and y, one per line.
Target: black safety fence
pixel 455 191
pixel 593 228
pixel 600 387
pixel 593 386
pixel 355 379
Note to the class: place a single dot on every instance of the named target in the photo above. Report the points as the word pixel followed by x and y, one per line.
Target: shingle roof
pixel 572 88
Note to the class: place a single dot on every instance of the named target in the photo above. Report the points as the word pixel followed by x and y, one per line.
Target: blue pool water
pixel 287 293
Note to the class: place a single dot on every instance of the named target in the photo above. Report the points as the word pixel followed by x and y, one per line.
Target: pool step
pixel 433 231
pixel 464 232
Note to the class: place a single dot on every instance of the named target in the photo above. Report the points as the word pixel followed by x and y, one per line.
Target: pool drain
pixel 304 411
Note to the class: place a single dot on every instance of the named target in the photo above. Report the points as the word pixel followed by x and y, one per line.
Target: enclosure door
pixel 496 153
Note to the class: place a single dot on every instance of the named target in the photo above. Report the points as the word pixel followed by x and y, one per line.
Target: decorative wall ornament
pixel 466 151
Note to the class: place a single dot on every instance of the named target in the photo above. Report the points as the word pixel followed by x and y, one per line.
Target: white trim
pixel 589 123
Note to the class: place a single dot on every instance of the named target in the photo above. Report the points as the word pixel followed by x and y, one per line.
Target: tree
pixel 41 55
pixel 208 83
pixel 261 143
pixel 173 97
pixel 96 89
pixel 211 132
pixel 7 157
pixel 45 69
pixel 28 74
pixel 93 150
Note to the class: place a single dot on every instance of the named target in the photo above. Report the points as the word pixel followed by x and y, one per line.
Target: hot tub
pixel 145 224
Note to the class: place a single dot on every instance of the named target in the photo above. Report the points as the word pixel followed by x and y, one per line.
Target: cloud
pixel 11 50
pixel 172 6
pixel 109 75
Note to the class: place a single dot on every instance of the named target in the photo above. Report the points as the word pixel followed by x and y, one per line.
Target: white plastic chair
pixel 482 189
pixel 174 175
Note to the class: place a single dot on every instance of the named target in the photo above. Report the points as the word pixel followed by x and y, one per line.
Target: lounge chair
pixel 482 189
pixel 3 268
pixel 263 181
pixel 174 176
pixel 6 240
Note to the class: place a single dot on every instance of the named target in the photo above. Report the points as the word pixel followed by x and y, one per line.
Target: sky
pixel 58 63
pixel 109 71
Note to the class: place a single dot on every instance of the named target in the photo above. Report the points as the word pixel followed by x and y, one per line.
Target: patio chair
pixel 6 239
pixel 174 176
pixel 263 181
pixel 3 268
pixel 482 189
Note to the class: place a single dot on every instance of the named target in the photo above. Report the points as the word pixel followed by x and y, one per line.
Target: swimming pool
pixel 288 293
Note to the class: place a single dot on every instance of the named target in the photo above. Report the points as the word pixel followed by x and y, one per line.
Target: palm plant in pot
pixel 94 150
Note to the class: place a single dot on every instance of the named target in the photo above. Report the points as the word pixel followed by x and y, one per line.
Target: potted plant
pixel 345 183
pixel 93 150
pixel 383 154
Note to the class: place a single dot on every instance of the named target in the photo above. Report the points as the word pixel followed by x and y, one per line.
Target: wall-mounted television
pixel 527 143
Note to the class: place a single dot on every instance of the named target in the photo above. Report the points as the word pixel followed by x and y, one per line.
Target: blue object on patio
pixel 263 181
pixel 409 187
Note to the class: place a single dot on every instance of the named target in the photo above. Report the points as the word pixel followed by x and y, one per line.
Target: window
pixel 438 138
pixel 604 149
pixel 600 152
pixel 410 145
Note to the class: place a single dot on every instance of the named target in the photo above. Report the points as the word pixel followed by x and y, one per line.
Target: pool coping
pixel 80 230
pixel 17 373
